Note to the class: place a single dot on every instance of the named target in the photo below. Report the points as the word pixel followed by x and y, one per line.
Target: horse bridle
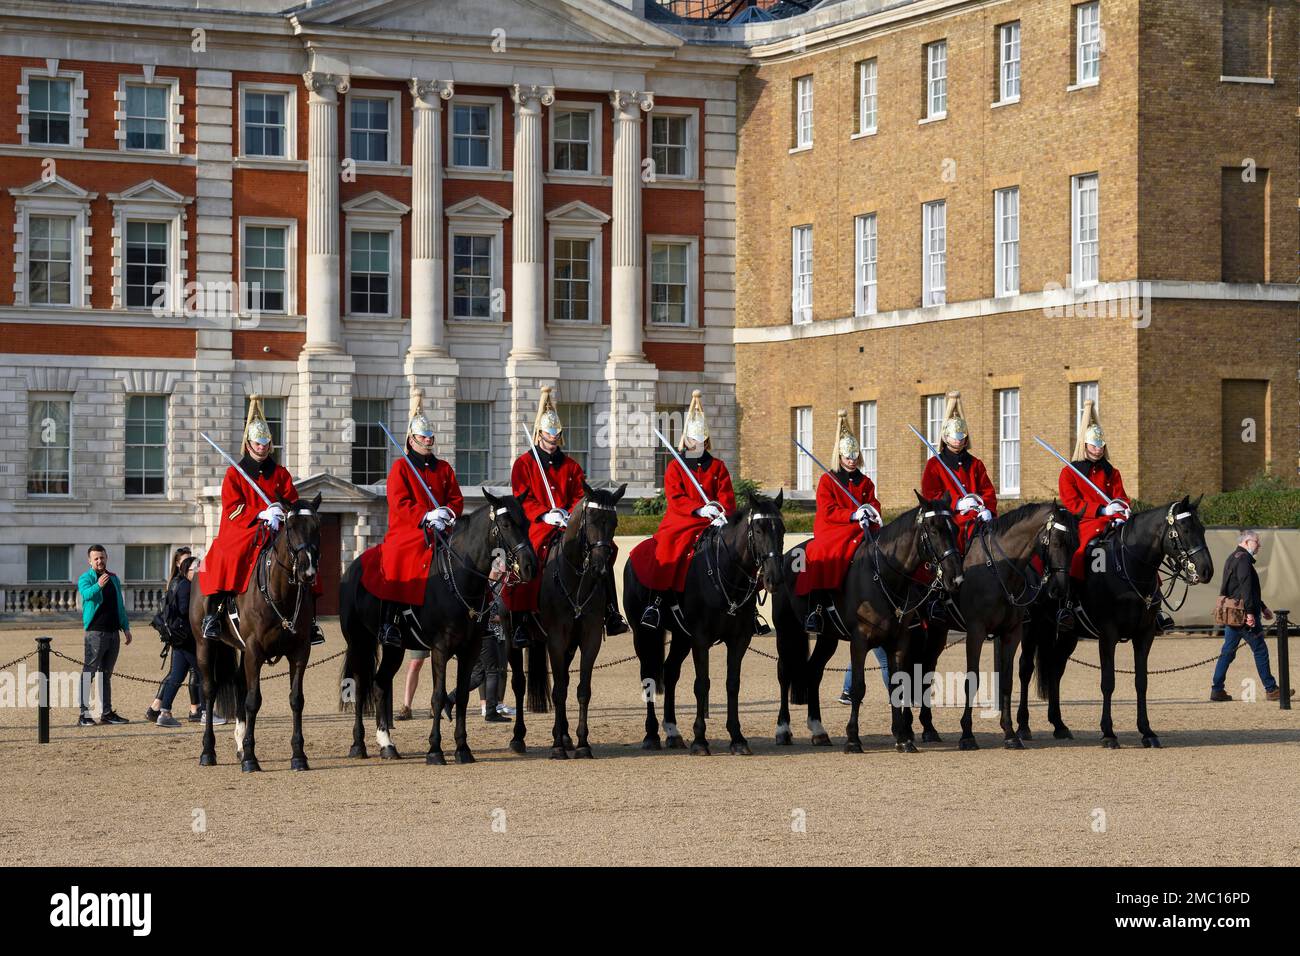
pixel 513 567
pixel 272 555
pixel 751 586
pixel 588 549
pixel 934 561
pixel 1042 549
pixel 1180 568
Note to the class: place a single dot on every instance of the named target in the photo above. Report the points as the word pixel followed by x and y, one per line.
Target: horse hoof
pixel 676 743
pixel 435 759
pixel 1110 743
pixel 568 742
pixel 906 747
pixel 389 753
pixel 298 763
pixel 853 747
pixel 967 743
pixel 741 749
pixel 785 739
pixel 518 747
pixel 359 751
pixel 250 766
pixel 821 740
pixel 651 742
pixel 207 760
pixel 1152 741
pixel 464 756
pixel 1025 734
pixel 1013 743
pixel 559 753
pixel 1062 733
pixel 931 737
pixel 700 748
pixel 584 753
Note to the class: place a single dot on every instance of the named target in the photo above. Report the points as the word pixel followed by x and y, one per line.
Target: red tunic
pixel 397 569
pixel 229 562
pixel 661 561
pixel 970 470
pixel 836 535
pixel 1076 494
pixel 565 477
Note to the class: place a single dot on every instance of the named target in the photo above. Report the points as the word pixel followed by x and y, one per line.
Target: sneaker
pixel 403 713
pixel 113 717
pixel 165 719
pixel 151 715
pixel 505 710
pixel 844 698
pixel 217 720
pixel 482 708
pixel 1276 693
pixel 85 720
pixel 1219 696
pixel 195 717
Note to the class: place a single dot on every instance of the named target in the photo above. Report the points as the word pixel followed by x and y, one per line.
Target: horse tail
pixel 227 680
pixel 357 675
pixel 539 679
pixel 1044 660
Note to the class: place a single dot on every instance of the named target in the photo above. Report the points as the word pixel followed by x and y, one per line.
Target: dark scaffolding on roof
pixel 727 9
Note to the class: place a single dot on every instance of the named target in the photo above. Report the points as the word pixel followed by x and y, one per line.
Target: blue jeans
pixel 1232 637
pixel 183 662
pixel 883 658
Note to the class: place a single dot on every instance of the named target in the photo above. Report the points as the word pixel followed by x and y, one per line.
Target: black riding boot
pixel 1164 622
pixel 521 636
pixel 317 635
pixel 650 616
pixel 813 622
pixel 212 616
pixel 760 626
pixel 390 633
pixel 614 623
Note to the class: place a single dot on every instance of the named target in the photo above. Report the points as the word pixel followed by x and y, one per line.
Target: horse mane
pixel 1005 522
pixel 898 527
pixel 755 500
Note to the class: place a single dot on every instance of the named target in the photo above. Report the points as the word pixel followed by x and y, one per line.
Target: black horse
pixel 1121 595
pixel 731 564
pixel 998 585
pixel 571 614
pixel 877 606
pixel 456 598
pixel 275 612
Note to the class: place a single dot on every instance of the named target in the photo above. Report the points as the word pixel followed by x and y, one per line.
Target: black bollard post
pixel 1284 658
pixel 43 705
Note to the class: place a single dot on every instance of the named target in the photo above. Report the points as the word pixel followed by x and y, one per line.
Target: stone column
pixel 323 406
pixel 528 308
pixel 427 257
pixel 627 272
pixel 529 365
pixel 323 329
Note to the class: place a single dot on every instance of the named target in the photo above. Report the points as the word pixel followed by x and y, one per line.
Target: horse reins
pixel 512 567
pixel 264 573
pixel 588 549
pixel 934 562
pixel 716 565
pixel 1180 569
pixel 1042 548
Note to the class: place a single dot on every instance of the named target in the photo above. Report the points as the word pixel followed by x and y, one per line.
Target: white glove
pixel 1116 507
pixel 713 511
pixel 866 515
pixel 718 522
pixel 430 517
pixel 969 503
pixel 444 515
pixel 985 514
pixel 557 517
pixel 272 515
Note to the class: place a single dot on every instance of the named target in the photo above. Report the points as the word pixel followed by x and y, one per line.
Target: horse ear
pixel 919 499
pixel 488 496
pixel 315 502
pixel 780 497
pixel 1197 501
pixel 618 493
pixel 586 488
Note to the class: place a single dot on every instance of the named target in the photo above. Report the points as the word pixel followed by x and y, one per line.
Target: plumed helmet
pixel 548 419
pixel 846 443
pixel 256 430
pixel 955 429
pixel 420 425
pixel 696 426
pixel 1095 436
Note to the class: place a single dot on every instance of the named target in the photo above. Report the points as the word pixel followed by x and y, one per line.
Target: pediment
pixel 574 21
pixel 150 191
pixel 577 212
pixel 56 188
pixel 376 203
pixel 333 490
pixel 476 207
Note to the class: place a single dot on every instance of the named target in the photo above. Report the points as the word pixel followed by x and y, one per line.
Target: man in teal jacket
pixel 103 614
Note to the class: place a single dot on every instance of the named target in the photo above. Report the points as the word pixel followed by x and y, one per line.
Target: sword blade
pixel 955 480
pixel 418 477
pixel 681 464
pixel 532 446
pixel 235 465
pixel 1070 465
pixel 848 494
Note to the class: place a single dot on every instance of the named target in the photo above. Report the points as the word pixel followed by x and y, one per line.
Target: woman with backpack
pixel 176 633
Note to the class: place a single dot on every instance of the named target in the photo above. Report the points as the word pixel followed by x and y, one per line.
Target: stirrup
pixel 317 635
pixel 1065 618
pixel 390 634
pixel 521 637
pixel 212 626
pixel 650 617
pixel 761 626
pixel 614 623
pixel 813 622
pixel 938 610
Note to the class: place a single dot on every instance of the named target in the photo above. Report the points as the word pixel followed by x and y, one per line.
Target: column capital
pixel 328 85
pixel 529 95
pixel 430 93
pixel 627 102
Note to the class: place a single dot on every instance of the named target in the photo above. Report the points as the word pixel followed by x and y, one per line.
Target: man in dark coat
pixel 1241 583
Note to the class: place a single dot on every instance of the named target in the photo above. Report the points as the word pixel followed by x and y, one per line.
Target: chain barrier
pixel 157 680
pixel 18 660
pixel 1150 673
